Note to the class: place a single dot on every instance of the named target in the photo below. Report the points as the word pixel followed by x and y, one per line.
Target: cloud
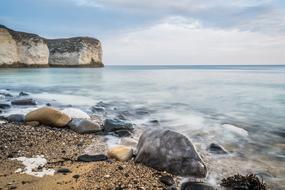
pixel 241 14
pixel 178 40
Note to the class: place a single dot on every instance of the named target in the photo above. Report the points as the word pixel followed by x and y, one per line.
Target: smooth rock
pixel 122 133
pixel 196 186
pixel 84 126
pixel 18 118
pixel 23 94
pixel 167 180
pixel 24 102
pixel 120 153
pixel 111 125
pixel 92 158
pixel 48 116
pixel 75 113
pixel 217 149
pixel 167 150
pixel 128 141
pixel 4 106
pixel 63 170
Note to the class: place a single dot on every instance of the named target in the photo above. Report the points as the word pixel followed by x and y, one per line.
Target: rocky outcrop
pixel 73 52
pixel 20 49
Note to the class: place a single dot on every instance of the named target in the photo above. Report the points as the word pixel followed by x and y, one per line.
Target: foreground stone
pixel 170 151
pixel 196 186
pixel 84 126
pixel 120 153
pixel 24 102
pixel 92 158
pixel 18 118
pixel 217 149
pixel 112 125
pixel 48 116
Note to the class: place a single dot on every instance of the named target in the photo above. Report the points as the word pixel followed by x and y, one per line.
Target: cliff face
pixel 79 51
pixel 19 49
pixel 22 49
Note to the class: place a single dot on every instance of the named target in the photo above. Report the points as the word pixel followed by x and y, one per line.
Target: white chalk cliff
pixel 19 49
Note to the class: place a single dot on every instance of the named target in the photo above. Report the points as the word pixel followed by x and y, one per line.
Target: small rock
pixel 18 118
pixel 111 125
pixel 96 109
pixel 76 176
pixel 172 187
pixel 84 126
pixel 120 153
pixel 92 158
pixel 4 106
pixel 196 186
pixel 23 94
pixel 48 104
pixel 48 116
pixel 120 167
pixel 24 102
pixel 217 149
pixel 63 170
pixel 122 133
pixel 75 113
pixel 119 188
pixel 167 180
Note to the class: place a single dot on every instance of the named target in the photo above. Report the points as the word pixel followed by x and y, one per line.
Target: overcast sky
pixel 161 31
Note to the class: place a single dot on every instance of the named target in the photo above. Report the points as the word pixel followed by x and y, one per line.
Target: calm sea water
pixel 240 107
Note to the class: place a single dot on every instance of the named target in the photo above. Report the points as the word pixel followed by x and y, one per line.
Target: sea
pixel 240 107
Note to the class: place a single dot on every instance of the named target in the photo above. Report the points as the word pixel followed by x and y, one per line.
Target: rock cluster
pixel 20 49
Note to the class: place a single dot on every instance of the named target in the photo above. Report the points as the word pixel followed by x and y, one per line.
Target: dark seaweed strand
pixel 248 182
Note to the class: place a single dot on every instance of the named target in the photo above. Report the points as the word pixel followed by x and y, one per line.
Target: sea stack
pixel 20 49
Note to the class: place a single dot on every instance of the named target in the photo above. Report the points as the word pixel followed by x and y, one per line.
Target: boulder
pixel 84 126
pixel 48 116
pixel 120 153
pixel 24 102
pixel 111 125
pixel 216 149
pixel 75 113
pixel 170 151
pixel 18 118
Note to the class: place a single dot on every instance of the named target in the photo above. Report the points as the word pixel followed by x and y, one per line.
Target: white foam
pixel 112 141
pixel 32 164
pixel 66 99
pixel 75 113
pixel 2 122
pixel 236 130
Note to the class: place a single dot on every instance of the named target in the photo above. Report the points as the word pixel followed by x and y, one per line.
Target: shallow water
pixel 239 107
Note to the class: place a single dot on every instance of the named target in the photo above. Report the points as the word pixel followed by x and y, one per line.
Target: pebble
pixel 63 170
pixel 24 102
pixel 92 158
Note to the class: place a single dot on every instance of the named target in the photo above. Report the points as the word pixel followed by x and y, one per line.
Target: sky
pixel 161 32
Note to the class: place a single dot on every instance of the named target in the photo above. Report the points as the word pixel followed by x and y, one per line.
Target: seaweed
pixel 248 182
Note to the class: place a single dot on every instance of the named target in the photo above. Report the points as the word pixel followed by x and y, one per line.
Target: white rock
pixel 32 164
pixel 75 113
pixel 236 130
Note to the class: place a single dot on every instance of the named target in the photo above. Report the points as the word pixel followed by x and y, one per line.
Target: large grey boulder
pixel 170 151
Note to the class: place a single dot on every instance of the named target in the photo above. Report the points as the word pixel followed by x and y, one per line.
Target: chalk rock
pixel 77 51
pixel 170 151
pixel 75 113
pixel 19 49
pixel 48 116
